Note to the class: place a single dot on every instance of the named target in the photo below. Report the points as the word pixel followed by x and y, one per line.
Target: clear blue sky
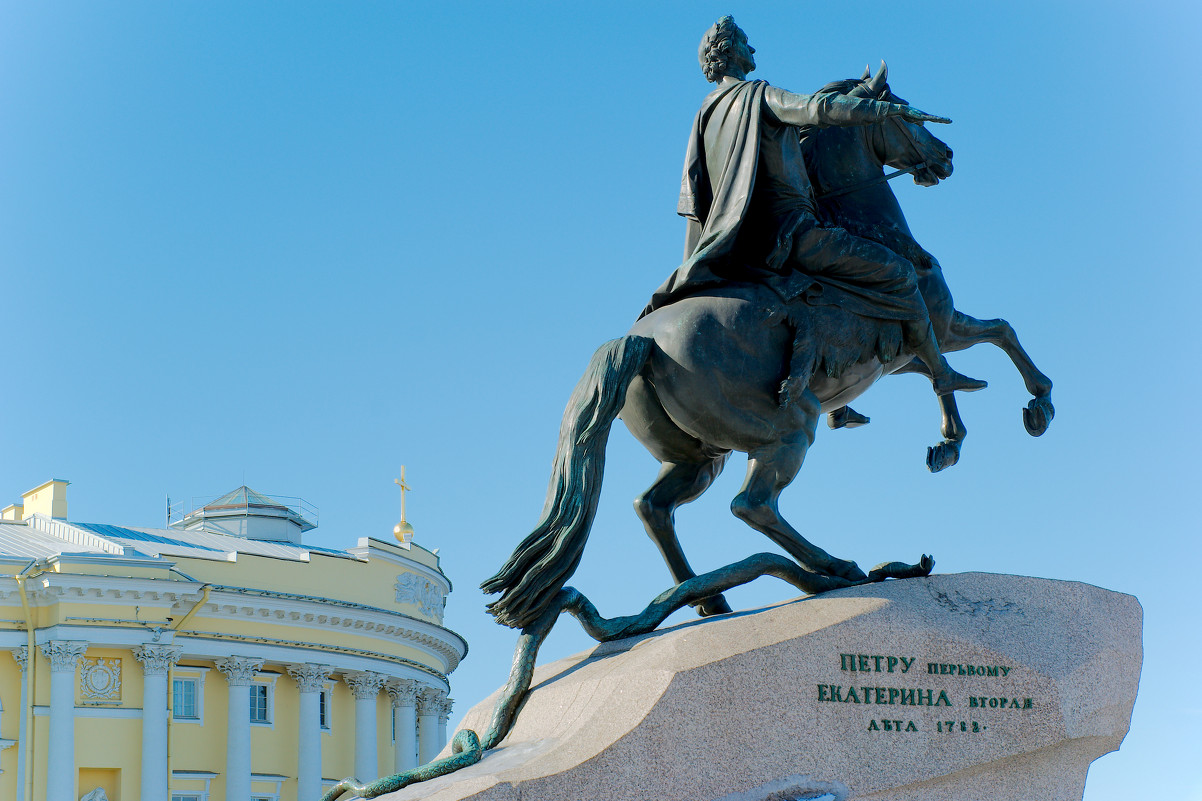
pixel 301 244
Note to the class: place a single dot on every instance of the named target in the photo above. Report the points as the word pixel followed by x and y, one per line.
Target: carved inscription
pixel 871 686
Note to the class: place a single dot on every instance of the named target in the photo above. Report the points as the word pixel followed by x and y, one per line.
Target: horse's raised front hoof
pixel 713 605
pixel 1038 415
pixel 943 455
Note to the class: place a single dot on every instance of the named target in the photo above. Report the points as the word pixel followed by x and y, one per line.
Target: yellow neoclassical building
pixel 217 659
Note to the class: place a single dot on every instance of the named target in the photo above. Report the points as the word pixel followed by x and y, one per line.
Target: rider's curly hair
pixel 713 53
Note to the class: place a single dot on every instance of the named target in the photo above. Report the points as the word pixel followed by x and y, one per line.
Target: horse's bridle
pixel 880 179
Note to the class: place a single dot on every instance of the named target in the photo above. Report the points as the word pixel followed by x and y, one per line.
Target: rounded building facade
pixel 218 659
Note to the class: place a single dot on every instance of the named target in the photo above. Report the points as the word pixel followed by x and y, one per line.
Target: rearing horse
pixel 701 377
pixel 846 166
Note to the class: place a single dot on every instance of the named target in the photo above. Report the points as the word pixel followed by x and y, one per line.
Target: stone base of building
pixel 969 686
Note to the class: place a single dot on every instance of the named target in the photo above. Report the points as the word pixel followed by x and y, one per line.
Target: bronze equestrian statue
pixel 790 303
pixel 774 318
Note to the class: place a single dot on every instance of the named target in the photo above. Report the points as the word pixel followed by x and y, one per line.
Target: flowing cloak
pixel 715 208
pixel 718 187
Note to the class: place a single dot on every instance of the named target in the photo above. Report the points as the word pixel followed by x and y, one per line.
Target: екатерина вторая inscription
pixel 871 694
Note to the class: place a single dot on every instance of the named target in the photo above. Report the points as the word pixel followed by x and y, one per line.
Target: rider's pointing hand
pixel 911 114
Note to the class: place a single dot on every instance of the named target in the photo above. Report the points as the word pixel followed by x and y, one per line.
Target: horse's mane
pixel 842 87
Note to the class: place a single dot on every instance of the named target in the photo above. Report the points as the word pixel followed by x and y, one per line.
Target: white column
pixel 156 661
pixel 22 656
pixel 239 673
pixel 444 714
pixel 403 693
pixel 64 655
pixel 429 704
pixel 365 686
pixel 309 680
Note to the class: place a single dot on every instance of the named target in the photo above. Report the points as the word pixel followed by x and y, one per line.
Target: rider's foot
pixel 847 417
pixel 951 381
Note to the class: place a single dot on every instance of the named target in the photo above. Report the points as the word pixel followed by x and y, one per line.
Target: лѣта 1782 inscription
pixel 917 696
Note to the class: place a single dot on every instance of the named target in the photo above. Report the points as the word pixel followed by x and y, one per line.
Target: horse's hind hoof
pixel 943 455
pixel 1038 414
pixel 713 605
pixel 847 569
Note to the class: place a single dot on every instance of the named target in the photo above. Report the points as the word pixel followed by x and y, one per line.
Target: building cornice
pixel 110 561
pixel 310 612
pixel 446 647
pixel 51 587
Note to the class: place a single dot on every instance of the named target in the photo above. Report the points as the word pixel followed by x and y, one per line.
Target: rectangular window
pixel 183 702
pixel 323 709
pixel 260 709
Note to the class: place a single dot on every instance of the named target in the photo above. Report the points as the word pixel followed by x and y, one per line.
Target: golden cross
pixel 400 482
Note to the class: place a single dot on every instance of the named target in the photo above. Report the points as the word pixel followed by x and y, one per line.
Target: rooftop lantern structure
pixel 253 515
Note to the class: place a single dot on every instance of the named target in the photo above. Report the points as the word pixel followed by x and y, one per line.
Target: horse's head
pixel 903 144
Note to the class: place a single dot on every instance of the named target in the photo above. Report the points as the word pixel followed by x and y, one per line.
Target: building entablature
pixel 170 600
pixel 275 654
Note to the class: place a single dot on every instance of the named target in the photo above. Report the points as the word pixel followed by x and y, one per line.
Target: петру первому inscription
pixel 862 694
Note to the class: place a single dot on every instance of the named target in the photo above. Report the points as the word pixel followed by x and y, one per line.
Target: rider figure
pixel 751 210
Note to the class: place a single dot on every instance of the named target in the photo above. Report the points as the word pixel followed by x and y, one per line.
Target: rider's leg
pixel 887 285
pixel 920 337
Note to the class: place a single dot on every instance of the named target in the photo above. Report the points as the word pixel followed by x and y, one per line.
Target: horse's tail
pixel 543 561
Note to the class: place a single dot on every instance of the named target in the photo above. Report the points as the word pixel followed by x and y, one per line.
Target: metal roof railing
pixel 245 501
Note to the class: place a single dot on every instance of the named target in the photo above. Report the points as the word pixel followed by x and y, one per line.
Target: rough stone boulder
pixel 968 686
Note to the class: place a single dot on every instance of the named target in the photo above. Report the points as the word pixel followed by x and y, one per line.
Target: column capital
pixel 364 683
pixel 403 692
pixel 64 655
pixel 239 670
pixel 21 654
pixel 309 676
pixel 157 659
pixel 444 709
pixel 429 700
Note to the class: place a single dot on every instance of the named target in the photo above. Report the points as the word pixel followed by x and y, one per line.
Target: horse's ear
pixel 867 73
pixel 877 83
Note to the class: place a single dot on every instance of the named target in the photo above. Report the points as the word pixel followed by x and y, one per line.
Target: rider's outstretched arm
pixel 831 108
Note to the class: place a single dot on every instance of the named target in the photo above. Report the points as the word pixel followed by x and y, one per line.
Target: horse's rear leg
pixel 965 331
pixel 677 484
pixel 770 469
